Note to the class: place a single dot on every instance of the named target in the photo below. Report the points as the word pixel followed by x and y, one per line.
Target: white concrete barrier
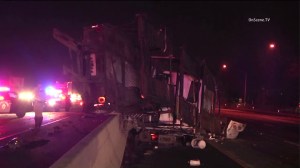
pixel 103 148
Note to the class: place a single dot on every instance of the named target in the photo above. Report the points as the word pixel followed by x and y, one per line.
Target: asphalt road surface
pixel 177 157
pixel 59 133
pixel 270 141
pixel 267 141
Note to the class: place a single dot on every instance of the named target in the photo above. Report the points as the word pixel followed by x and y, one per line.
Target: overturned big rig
pixel 170 98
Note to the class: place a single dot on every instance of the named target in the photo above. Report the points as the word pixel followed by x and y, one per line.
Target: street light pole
pixel 245 89
pixel 224 67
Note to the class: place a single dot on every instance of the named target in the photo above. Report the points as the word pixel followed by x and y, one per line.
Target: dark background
pixel 218 32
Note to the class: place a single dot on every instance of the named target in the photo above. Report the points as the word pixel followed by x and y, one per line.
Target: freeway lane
pixel 267 141
pixel 59 133
pixel 179 157
pixel 10 125
pixel 240 114
pixel 287 127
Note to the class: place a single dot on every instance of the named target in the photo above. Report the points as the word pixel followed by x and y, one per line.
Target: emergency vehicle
pixel 15 102
pixel 60 96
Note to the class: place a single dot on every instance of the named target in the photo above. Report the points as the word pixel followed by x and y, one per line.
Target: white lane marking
pixel 291 143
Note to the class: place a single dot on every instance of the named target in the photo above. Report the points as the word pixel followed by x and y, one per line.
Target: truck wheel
pixel 20 114
pixel 18 109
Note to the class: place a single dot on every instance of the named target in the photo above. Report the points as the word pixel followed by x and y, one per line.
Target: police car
pixel 13 102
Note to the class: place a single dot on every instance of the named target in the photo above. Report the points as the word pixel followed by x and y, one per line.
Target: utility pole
pixel 144 64
pixel 245 89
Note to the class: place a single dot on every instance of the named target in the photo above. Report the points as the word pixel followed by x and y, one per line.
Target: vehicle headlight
pixel 26 96
pixel 51 102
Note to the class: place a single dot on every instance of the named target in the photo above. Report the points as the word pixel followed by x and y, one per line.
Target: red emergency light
pixel 154 136
pixel 101 99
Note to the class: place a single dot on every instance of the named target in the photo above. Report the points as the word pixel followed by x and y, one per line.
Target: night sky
pixel 219 32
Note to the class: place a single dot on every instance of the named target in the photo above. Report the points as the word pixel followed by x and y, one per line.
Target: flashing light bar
pixel 51 91
pixel 4 89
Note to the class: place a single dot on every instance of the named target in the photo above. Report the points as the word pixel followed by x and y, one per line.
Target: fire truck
pixel 61 96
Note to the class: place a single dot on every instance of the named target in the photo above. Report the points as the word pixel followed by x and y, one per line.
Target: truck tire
pixel 20 114
pixel 18 109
